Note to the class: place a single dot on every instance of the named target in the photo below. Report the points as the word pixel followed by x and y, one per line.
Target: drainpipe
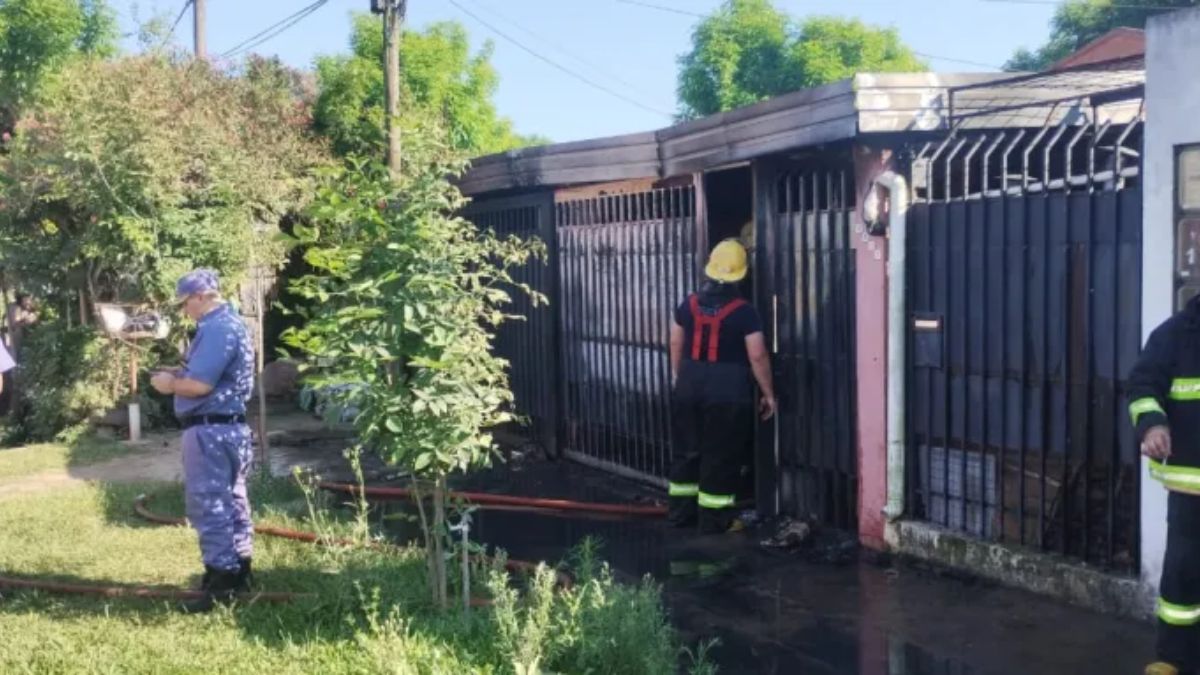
pixel 897 324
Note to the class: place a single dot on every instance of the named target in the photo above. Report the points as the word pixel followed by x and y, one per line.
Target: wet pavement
pixel 825 609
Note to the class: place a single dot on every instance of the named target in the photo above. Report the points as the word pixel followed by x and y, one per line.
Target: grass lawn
pixel 370 613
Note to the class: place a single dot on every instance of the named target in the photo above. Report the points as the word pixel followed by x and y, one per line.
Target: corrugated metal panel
pixel 591 161
pixel 819 115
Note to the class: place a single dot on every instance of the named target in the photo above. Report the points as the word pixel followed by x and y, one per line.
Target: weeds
pixel 523 628
pixel 370 611
pixel 698 662
pixel 580 629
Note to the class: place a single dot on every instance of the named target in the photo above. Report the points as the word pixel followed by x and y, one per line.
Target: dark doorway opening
pixel 729 194
pixel 729 198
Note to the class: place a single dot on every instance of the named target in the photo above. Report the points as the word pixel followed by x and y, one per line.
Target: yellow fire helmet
pixel 727 263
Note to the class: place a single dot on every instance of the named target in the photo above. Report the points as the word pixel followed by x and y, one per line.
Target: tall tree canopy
pixel 36 36
pixel 749 50
pixel 1078 22
pixel 441 78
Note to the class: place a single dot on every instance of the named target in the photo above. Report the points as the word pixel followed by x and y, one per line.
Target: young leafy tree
pixel 1078 22
pixel 440 78
pixel 402 307
pixel 37 36
pixel 749 50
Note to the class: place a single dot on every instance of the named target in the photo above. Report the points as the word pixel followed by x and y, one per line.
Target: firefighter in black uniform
pixel 1164 392
pixel 717 354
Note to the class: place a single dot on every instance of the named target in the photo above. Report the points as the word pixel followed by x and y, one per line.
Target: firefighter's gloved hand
pixel 767 407
pixel 1156 443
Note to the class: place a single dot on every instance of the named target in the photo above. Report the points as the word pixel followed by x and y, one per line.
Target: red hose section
pixel 487 499
pixel 178 595
pixel 147 592
pixel 140 508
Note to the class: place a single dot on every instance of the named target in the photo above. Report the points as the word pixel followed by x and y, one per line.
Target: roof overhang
pixel 865 104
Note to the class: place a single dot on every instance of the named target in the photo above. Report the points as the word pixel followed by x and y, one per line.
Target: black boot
pixel 716 521
pixel 222 586
pixel 681 511
pixel 205 580
pixel 245 575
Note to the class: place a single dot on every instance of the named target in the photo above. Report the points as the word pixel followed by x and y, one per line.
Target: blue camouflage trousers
pixel 216 460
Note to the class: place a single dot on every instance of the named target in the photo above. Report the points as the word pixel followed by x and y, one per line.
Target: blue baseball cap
pixel 197 281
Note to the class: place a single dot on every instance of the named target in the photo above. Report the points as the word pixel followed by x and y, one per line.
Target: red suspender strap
pixel 713 323
pixel 698 323
pixel 714 333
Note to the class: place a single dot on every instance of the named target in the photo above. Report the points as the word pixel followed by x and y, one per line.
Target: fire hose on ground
pixel 482 499
pixel 486 499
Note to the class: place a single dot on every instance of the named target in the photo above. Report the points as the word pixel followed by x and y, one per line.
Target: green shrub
pixel 596 626
pixel 121 176
pixel 64 379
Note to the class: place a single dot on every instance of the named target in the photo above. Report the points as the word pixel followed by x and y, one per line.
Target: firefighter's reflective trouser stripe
pixel 1179 602
pixel 708 501
pixel 683 489
pixel 712 441
pixel 1178 615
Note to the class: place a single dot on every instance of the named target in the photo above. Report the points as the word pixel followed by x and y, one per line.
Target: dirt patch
pixel 296 440
pixel 141 467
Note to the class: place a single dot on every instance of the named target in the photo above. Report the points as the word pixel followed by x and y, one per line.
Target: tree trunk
pixel 439 538
pixel 429 537
pixel 466 563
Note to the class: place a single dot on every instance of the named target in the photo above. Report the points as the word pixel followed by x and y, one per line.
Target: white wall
pixel 1172 118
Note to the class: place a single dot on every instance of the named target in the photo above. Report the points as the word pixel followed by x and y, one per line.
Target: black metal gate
pixel 625 261
pixel 1024 285
pixel 806 289
pixel 529 344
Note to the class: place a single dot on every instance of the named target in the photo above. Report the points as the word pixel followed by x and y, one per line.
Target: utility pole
pixel 200 47
pixel 393 19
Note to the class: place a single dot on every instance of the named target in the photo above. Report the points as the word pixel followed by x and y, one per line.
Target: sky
pixel 626 51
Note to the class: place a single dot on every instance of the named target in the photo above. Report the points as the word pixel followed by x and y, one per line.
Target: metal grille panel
pixel 625 262
pixel 1025 291
pixel 807 284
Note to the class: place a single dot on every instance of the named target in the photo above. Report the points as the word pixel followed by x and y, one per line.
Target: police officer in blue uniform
pixel 211 392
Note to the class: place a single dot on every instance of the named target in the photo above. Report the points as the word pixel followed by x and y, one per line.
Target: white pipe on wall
pixel 897 325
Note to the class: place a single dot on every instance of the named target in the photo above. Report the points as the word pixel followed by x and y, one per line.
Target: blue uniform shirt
pixel 220 355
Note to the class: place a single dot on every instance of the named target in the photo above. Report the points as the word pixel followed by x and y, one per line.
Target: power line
pixel 273 30
pixel 684 12
pixel 1114 5
pixel 556 65
pixel 180 17
pixel 962 61
pixel 171 33
pixel 600 69
pixel 662 8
